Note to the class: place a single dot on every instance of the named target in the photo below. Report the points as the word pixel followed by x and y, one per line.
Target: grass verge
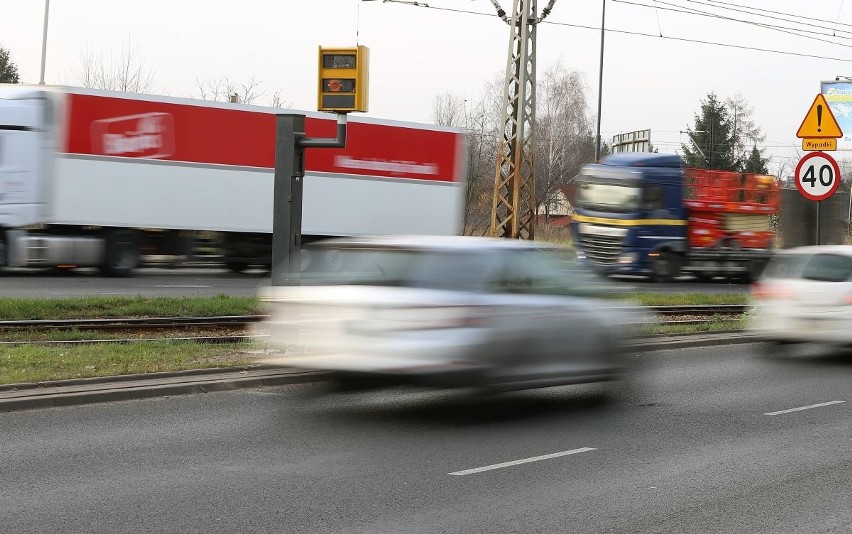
pixel 685 299
pixel 37 363
pixel 20 309
pixel 713 325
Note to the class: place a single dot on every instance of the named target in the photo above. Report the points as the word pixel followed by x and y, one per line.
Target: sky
pixel 651 81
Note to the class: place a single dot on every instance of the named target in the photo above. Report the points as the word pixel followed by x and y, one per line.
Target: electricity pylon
pixel 514 206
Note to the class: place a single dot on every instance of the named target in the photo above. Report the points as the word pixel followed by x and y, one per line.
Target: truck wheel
pixel 665 267
pixel 3 248
pixel 753 271
pixel 121 253
pixel 237 266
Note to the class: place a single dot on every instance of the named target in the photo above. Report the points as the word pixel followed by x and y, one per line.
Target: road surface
pixel 160 282
pixel 712 440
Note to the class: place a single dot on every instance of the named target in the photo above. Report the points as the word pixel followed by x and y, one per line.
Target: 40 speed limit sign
pixel 817 176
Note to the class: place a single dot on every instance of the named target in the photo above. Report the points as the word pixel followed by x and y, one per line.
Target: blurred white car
pixel 805 295
pixel 448 311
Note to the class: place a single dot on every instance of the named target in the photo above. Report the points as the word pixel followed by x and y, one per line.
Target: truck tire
pixel 4 250
pixel 121 253
pixel 753 271
pixel 237 266
pixel 665 267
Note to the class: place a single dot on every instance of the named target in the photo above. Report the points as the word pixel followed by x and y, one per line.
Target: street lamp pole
pixel 600 85
pixel 44 42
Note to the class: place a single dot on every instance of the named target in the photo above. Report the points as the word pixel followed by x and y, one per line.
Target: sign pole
pixel 819 203
pixel 290 145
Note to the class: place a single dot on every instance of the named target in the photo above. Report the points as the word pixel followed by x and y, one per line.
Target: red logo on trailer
pixel 146 135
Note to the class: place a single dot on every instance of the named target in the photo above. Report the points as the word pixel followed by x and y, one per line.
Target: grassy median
pixel 38 363
pixel 18 309
pixel 50 361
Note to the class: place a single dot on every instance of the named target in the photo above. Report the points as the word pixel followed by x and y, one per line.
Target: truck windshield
pixel 608 197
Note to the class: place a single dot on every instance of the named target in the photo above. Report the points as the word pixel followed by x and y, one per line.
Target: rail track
pixel 237 328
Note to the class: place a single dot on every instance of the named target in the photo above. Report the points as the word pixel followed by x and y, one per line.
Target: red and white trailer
pixel 91 178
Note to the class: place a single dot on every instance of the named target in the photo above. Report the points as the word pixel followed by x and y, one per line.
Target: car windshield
pixel 608 196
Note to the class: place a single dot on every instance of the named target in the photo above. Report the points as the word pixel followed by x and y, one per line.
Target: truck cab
pixel 630 216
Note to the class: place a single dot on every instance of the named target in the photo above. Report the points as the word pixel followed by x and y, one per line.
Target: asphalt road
pixel 148 282
pixel 706 443
pixel 161 282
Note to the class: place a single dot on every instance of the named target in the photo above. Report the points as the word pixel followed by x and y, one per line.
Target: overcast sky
pixel 419 52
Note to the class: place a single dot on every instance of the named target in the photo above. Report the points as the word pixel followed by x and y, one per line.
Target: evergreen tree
pixel 712 139
pixel 8 69
pixel 755 162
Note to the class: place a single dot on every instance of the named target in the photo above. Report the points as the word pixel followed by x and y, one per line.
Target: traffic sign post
pixel 817 174
pixel 817 178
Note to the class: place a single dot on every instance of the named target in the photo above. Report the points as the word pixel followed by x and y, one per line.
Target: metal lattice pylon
pixel 514 205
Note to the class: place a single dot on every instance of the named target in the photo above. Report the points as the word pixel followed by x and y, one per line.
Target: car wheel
pixel 349 383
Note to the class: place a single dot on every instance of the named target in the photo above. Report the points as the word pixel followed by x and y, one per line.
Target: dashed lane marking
pixel 522 461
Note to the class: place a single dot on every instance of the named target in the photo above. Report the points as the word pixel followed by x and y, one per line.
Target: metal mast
pixel 514 204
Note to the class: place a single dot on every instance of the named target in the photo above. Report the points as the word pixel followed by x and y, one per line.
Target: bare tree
pixel 277 100
pixel 564 131
pixel 564 139
pixel 127 72
pixel 225 89
pixel 480 119
pixel 449 110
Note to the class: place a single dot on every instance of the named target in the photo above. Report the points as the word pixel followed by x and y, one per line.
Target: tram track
pixel 242 328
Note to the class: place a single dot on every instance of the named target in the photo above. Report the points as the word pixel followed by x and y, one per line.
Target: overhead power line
pixel 803 33
pixel 643 34
pixel 770 12
pixel 705 42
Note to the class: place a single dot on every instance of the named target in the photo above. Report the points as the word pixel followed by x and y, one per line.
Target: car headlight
pixel 629 257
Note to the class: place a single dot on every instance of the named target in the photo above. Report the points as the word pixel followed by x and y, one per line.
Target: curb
pixel 31 396
pixel 144 387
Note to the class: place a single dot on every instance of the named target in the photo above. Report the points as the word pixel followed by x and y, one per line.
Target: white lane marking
pixel 181 287
pixel 523 461
pixel 820 405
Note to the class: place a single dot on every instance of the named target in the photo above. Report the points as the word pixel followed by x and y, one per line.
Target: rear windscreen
pixel 398 267
pixel 828 268
pixel 819 267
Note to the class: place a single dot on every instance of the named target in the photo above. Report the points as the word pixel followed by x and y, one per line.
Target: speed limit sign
pixel 817 176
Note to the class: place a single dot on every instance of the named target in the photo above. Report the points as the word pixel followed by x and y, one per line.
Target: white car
pixel 448 311
pixel 805 295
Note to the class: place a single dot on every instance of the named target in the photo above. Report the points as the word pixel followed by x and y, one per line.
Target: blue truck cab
pixel 630 216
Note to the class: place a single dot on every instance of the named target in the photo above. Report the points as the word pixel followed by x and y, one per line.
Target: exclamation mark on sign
pixel 819 117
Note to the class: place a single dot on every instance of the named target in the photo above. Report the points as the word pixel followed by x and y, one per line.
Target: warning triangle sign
pixel 819 121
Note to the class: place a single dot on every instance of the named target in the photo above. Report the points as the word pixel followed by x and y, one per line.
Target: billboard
pixel 839 97
pixel 638 141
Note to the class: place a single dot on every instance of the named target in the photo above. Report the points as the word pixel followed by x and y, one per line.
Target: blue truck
pixel 647 214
